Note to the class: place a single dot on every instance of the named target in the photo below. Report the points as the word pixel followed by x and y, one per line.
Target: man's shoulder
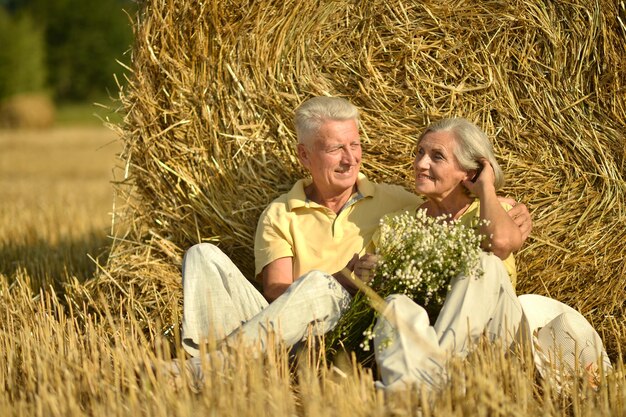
pixel 397 192
pixel 383 198
pixel 287 201
pixel 391 188
pixel 410 208
pixel 371 188
pixel 277 205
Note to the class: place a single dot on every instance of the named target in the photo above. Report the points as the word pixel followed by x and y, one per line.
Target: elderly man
pixel 307 242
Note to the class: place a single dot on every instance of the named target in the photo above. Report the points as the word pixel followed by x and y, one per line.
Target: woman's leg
pixel 409 351
pixel 476 306
pixel 406 346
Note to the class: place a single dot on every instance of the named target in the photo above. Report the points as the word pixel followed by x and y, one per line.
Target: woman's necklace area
pixel 434 210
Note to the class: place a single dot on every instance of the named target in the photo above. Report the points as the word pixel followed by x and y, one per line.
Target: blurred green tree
pixel 83 39
pixel 22 55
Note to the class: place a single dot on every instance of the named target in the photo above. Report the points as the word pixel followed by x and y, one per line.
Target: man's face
pixel 333 156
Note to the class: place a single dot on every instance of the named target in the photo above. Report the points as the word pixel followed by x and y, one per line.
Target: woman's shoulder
pixel 474 208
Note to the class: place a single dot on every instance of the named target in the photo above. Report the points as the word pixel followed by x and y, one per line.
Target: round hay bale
pixel 27 111
pixel 209 141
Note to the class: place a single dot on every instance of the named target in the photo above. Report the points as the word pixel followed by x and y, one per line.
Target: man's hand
pixel 364 267
pixel 520 215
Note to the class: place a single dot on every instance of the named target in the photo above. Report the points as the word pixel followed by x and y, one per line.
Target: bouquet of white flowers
pixel 418 256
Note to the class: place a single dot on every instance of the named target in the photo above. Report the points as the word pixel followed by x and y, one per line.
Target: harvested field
pixel 57 200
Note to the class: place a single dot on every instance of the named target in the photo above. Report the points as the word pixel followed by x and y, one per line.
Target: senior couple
pixel 310 241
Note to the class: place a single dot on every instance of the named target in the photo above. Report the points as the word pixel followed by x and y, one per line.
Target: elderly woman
pixel 457 172
pixel 458 175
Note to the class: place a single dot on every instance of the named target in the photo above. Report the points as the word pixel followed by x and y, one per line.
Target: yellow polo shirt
pixel 315 236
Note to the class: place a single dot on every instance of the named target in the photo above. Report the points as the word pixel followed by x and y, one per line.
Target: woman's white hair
pixel 472 144
pixel 311 114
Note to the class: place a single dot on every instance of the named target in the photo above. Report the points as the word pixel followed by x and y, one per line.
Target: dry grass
pixel 62 358
pixel 208 138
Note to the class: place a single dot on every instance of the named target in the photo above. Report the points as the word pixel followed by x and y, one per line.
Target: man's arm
pixel 344 277
pixel 520 215
pixel 277 277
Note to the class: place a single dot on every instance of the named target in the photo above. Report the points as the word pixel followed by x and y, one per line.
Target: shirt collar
pixel 296 197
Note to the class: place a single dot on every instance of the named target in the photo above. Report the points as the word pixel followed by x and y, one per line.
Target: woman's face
pixel 437 171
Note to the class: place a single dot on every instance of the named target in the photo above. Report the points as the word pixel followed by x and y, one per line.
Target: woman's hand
pixel 483 181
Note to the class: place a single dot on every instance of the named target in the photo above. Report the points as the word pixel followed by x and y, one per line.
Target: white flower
pixel 418 257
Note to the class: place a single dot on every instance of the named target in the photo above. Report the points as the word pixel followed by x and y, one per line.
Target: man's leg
pixel 315 299
pixel 217 298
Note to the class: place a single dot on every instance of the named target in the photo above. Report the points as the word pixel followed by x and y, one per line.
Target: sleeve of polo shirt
pixel 271 241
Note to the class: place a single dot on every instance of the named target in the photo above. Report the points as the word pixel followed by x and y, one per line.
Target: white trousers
pixel 411 352
pixel 220 303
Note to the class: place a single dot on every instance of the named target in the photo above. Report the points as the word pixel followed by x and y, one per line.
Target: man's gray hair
pixel 472 144
pixel 311 114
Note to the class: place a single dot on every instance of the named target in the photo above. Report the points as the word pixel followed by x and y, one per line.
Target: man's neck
pixel 334 202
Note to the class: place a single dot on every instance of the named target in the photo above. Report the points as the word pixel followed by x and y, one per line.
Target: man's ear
pixel 303 155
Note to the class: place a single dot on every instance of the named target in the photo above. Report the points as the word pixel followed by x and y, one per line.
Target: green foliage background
pixel 22 55
pixel 68 48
